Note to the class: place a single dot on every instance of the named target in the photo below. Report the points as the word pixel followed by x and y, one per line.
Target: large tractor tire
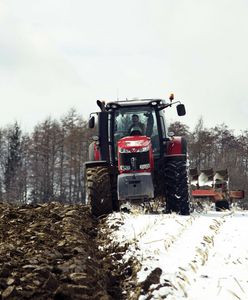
pixel 99 190
pixel 177 187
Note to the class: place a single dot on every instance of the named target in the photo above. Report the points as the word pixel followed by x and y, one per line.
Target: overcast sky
pixel 58 54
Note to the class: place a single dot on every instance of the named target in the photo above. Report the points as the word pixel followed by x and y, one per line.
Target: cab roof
pixel 135 102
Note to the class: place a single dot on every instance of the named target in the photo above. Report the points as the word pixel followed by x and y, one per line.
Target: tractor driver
pixel 136 123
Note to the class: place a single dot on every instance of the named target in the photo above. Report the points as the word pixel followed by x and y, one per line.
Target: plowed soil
pixel 55 251
pixel 51 251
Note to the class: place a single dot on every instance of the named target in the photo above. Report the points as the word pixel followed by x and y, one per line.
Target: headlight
pixel 124 150
pixel 144 149
pixel 125 168
pixel 145 166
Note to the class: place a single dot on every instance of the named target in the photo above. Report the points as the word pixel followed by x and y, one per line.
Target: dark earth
pixel 56 251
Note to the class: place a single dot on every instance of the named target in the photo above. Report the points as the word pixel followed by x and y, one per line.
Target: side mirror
pixel 181 110
pixel 91 122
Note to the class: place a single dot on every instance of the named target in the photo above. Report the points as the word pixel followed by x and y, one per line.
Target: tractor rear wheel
pixel 99 191
pixel 177 187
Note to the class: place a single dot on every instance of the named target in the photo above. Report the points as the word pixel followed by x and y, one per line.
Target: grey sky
pixel 58 54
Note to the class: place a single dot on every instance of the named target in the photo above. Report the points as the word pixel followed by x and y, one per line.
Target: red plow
pixel 208 186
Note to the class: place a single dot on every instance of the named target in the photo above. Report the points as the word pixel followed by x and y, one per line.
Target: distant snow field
pixel 202 256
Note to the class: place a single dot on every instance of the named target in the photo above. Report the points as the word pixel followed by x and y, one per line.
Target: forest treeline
pixel 47 164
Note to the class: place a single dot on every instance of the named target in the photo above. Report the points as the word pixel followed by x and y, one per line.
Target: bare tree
pixel 13 164
pixel 44 152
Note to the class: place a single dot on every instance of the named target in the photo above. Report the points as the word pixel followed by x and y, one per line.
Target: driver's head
pixel 135 119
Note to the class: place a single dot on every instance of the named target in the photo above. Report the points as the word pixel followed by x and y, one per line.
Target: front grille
pixel 140 158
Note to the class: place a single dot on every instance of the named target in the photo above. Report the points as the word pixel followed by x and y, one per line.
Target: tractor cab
pixel 146 116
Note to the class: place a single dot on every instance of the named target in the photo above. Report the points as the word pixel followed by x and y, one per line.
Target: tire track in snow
pixel 130 227
pixel 147 235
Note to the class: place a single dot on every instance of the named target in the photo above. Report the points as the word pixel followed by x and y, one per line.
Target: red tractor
pixel 133 159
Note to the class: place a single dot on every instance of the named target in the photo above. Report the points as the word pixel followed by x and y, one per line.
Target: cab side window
pixel 163 127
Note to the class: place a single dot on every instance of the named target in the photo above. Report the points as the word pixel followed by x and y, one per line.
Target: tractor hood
pixel 135 154
pixel 134 143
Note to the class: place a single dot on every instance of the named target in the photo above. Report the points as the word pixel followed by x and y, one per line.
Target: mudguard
pixel 177 147
pixel 94 164
pixel 94 152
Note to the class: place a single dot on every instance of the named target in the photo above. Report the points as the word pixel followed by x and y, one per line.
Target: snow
pixel 202 256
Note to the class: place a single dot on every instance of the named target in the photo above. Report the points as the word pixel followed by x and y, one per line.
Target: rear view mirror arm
pixel 169 105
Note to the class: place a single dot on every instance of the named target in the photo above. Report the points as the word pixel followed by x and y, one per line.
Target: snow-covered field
pixel 202 256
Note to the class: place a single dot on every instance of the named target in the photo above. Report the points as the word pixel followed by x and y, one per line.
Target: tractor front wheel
pixel 98 189
pixel 177 187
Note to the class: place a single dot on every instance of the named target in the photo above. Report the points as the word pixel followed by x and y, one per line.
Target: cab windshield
pixel 129 119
